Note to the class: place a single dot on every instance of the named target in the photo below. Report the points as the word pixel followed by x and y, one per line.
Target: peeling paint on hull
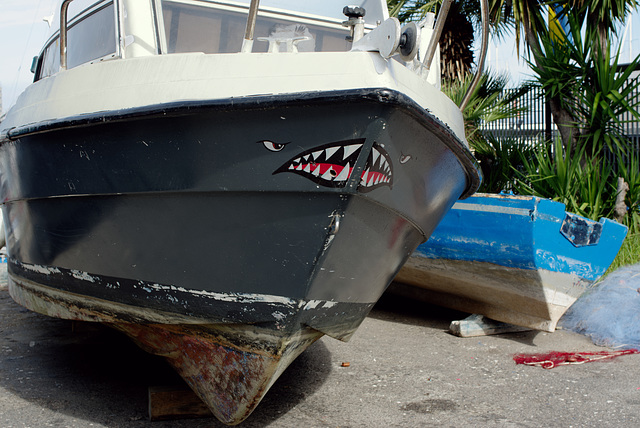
pixel 229 366
pixel 336 319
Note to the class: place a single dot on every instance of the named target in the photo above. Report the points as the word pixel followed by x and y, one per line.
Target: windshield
pixel 91 36
pixel 376 10
pixel 219 26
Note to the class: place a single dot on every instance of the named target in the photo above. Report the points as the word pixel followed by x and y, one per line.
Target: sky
pixel 502 55
pixel 23 32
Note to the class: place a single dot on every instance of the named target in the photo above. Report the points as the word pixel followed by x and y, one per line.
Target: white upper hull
pixel 155 80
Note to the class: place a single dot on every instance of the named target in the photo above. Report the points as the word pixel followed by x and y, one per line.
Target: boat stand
pixel 479 325
pixel 175 402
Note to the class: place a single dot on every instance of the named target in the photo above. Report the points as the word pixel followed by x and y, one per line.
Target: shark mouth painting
pixel 332 164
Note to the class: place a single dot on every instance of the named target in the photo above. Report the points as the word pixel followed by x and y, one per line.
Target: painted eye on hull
pixel 271 146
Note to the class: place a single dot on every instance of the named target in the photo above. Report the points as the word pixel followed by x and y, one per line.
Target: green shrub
pixel 498 158
pixel 569 176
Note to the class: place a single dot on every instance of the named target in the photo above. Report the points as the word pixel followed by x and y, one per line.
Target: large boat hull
pixel 516 259
pixel 229 231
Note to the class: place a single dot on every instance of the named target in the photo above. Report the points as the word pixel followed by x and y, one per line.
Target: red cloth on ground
pixel 554 358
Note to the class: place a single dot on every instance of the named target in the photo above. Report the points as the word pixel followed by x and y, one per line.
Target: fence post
pixel 547 118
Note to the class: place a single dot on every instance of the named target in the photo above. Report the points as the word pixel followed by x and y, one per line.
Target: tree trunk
pixel 621 207
pixel 563 118
pixel 565 122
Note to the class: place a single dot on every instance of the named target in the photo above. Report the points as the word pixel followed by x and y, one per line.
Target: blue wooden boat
pixel 522 260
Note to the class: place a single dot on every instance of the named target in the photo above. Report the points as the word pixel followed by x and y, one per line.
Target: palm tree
pixel 600 16
pixel 490 101
pixel 456 45
pixel 527 19
pixel 457 37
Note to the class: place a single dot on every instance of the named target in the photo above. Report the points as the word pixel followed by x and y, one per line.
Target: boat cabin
pixel 95 31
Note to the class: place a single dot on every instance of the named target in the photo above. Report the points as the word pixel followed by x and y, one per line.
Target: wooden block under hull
pixel 175 402
pixel 478 325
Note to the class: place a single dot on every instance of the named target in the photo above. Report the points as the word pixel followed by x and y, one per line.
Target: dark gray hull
pixel 290 214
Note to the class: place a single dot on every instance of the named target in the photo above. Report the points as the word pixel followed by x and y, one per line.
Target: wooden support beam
pixel 479 325
pixel 175 402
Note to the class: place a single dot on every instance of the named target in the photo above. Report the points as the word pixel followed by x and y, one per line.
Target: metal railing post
pixel 63 33
pixel 120 33
pixel 247 43
pixel 437 32
pixel 484 12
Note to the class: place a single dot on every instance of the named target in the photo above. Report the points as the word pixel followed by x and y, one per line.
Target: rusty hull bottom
pixel 229 366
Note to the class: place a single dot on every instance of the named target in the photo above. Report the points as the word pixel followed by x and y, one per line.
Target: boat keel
pixel 230 367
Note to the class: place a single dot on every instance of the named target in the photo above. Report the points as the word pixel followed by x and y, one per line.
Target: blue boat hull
pixel 520 260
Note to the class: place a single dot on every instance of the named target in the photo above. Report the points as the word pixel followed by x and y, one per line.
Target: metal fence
pixel 530 126
pixel 535 123
pixel 631 123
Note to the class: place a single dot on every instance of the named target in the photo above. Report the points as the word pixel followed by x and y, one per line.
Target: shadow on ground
pixel 397 308
pixel 70 368
pixel 406 310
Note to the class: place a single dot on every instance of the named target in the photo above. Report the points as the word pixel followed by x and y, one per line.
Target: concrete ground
pixel 405 371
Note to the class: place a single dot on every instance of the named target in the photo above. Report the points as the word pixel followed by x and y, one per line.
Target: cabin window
pixel 376 9
pixel 216 28
pixel 91 37
pixel 51 60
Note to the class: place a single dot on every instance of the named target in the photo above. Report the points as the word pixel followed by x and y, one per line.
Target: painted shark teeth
pixel 378 170
pixel 344 175
pixel 332 165
pixel 349 150
pixel 329 165
pixel 331 151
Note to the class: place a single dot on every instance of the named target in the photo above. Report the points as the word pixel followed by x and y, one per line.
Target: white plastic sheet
pixel 610 313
